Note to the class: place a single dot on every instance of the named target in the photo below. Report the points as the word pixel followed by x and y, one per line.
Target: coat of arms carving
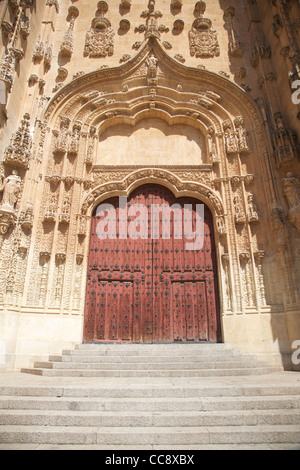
pixel 203 38
pixel 99 40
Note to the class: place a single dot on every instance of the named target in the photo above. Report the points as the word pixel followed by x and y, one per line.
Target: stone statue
pixel 291 187
pixel 10 187
pixel 152 66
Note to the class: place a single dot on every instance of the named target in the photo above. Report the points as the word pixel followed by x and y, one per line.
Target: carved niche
pixel 99 40
pixel 203 38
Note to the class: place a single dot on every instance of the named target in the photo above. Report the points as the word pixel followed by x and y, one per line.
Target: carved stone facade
pixel 192 96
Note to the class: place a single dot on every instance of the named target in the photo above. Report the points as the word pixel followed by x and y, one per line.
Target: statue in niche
pixel 10 187
pixel 152 66
pixel 292 190
pixel 252 210
pixel 238 211
pixel 291 186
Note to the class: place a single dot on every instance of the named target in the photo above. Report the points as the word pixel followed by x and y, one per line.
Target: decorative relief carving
pixel 235 47
pixel 239 214
pixel 203 38
pixel 10 188
pixel 242 138
pixel 285 142
pixel 99 40
pixel 212 146
pixel 74 139
pixel 253 216
pixel 247 279
pixel 62 136
pixel 230 140
pixel 67 45
pixel 156 174
pixel 65 214
pixel 50 213
pixel 259 256
pixel 151 28
pixel 291 186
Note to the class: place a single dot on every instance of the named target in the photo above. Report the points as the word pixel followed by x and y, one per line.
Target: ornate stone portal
pixel 67 151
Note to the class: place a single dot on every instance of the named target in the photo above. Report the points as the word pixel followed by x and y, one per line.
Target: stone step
pixel 221 372
pixel 149 419
pixel 151 358
pixel 161 350
pixel 165 404
pixel 122 390
pixel 169 366
pixel 118 436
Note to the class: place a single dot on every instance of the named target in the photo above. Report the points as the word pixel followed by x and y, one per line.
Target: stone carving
pixel 285 142
pixel 241 132
pixel 235 47
pixel 228 288
pixel 151 28
pixel 55 3
pixel 89 159
pixel 25 27
pixel 74 139
pixel 247 279
pixel 10 187
pixel 252 210
pixel 203 38
pixel 67 45
pixel 152 63
pixel 39 50
pixel 64 217
pixel 62 136
pixel 26 217
pixel 99 40
pixel 176 4
pixel 50 214
pixel 82 226
pixel 8 67
pixel 291 186
pixel 230 140
pixel 212 146
pixel 259 256
pixel 239 214
pixel 19 151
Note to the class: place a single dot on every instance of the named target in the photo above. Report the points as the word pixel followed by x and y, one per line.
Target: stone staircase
pixel 148 360
pixel 164 397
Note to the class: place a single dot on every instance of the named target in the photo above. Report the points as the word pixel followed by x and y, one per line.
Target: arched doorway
pixel 143 286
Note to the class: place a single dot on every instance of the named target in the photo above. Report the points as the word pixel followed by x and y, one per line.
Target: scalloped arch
pixel 123 94
pixel 155 176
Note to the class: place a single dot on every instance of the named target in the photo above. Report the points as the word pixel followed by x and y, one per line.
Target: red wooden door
pixel 150 289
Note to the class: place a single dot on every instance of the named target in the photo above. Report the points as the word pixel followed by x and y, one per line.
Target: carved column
pixel 259 256
pixel 247 280
pixel 44 259
pixel 60 260
pixel 228 304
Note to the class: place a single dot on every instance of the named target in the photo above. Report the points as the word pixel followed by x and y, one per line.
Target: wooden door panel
pixel 152 290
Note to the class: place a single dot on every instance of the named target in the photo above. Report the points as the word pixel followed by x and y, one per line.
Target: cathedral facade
pixel 156 102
